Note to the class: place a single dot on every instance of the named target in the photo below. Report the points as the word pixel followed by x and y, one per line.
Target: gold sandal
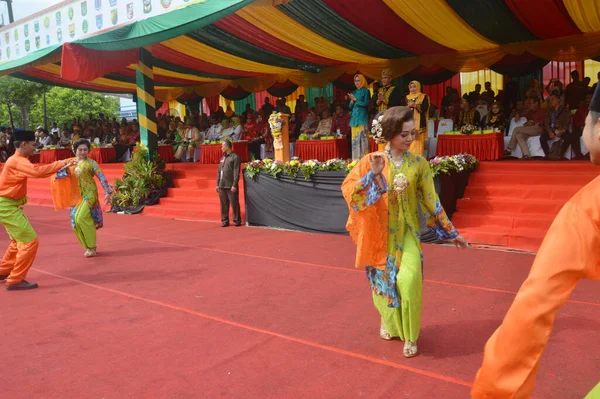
pixel 384 334
pixel 410 349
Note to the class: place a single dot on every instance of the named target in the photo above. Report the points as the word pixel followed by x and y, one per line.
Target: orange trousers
pixel 18 260
pixel 570 252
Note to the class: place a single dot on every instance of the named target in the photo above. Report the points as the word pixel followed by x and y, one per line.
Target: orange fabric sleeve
pixel 27 169
pixel 368 227
pixel 569 253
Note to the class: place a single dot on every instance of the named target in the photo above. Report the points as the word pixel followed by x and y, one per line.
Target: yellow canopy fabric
pixel 585 14
pixel 436 20
pixel 278 24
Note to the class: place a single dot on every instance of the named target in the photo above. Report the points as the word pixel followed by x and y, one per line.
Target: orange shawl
pixel 65 191
pixel 368 227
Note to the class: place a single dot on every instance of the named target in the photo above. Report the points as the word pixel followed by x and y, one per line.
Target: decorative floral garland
pixel 438 165
pixel 377 130
pixel 276 124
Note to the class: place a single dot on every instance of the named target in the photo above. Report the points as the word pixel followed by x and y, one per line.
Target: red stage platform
pixel 193 197
pixel 511 204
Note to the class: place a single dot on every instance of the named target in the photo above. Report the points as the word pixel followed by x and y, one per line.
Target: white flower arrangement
pixel 377 130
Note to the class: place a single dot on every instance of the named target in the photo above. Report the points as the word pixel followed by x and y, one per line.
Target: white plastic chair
pixel 432 147
pixel 444 126
pixel 126 156
pixel 431 128
pixel 584 149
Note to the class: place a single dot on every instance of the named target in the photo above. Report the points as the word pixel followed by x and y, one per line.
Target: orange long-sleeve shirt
pixel 13 179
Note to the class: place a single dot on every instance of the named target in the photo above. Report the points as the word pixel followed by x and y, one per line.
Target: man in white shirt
pixel 214 132
pixel 55 130
pixel 45 139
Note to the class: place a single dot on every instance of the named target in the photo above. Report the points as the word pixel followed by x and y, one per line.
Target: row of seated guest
pixel 326 125
pixel 186 138
pixel 121 136
pixel 552 123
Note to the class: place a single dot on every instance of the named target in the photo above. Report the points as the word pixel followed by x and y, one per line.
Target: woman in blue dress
pixel 359 104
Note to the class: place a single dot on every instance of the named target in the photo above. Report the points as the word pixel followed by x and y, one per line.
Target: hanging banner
pixel 76 20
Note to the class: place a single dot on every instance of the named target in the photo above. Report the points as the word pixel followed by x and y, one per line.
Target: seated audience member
pixel 214 131
pixel 534 126
pixel 226 130
pixel 254 133
pixel 171 133
pixel 111 137
pixel 45 139
pixel 324 128
pixel 237 128
pixel 557 121
pixel 494 119
pixel 310 124
pixel 468 114
pixel 341 122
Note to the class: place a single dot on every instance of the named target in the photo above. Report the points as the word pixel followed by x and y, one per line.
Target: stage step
pixel 193 198
pixel 512 204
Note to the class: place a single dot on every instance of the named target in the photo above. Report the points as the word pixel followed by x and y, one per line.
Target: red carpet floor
pixel 512 204
pixel 173 309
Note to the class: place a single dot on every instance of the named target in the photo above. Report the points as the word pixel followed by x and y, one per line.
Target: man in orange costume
pixel 13 195
pixel 570 251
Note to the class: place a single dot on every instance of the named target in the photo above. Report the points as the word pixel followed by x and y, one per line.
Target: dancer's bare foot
pixel 410 349
pixel 383 333
pixel 90 253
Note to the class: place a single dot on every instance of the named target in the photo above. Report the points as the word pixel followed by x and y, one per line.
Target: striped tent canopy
pixel 235 47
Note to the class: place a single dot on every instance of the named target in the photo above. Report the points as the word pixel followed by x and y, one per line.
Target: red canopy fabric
pixel 375 18
pixel 82 64
pixel 244 30
pixel 544 18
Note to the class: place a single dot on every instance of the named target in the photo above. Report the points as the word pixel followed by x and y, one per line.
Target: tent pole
pixel 146 104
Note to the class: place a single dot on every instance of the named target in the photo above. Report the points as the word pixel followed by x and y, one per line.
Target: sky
pixel 23 8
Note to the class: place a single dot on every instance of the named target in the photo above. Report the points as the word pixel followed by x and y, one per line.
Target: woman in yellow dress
pixel 75 187
pixel 419 103
pixel 384 192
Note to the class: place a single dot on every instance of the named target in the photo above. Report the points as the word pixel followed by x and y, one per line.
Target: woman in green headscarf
pixel 359 104
pixel 237 128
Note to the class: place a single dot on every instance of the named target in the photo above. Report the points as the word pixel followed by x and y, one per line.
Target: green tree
pixel 63 104
pixel 18 95
pixel 22 103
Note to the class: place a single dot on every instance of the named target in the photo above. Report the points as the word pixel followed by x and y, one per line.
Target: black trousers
pixel 227 198
pixel 568 138
pixel 254 148
pixel 576 144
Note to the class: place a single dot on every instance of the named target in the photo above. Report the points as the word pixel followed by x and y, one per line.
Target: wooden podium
pixel 283 154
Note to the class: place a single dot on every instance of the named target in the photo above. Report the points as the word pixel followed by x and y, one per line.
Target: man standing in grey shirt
pixel 227 185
